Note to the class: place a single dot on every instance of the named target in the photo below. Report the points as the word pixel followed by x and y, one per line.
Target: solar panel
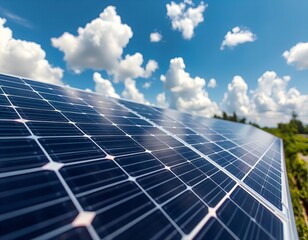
pixel 80 165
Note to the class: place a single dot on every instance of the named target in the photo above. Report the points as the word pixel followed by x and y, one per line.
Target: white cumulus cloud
pixel 131 92
pixel 186 93
pixel 24 58
pixel 298 55
pixel 272 94
pixel 212 83
pixel 147 85
pixel 100 45
pixel 184 17
pixel 130 67
pixel 104 86
pixel 150 68
pixel 236 98
pixel 271 102
pixel 161 100
pixel 189 2
pixel 155 37
pixel 237 36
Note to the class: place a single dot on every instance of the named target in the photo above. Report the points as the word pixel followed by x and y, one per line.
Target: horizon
pixel 153 57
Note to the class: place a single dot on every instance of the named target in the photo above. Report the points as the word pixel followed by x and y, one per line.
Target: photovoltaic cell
pixel 40 205
pixel 91 175
pixel 13 129
pixel 75 149
pixel 17 154
pixel 78 165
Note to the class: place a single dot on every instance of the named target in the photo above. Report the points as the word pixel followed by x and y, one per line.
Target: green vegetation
pixel 295 143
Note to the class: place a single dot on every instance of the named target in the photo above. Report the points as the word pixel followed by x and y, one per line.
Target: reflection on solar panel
pixel 79 165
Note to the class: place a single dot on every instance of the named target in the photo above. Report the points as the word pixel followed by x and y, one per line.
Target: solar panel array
pixel 80 165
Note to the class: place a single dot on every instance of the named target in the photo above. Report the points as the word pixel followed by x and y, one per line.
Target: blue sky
pixel 276 26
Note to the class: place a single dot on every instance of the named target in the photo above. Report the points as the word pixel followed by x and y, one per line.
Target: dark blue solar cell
pixel 241 166
pixel 12 129
pixel 219 159
pixel 133 130
pixel 187 153
pixel 118 145
pixel 205 166
pixel 32 205
pixel 14 84
pixel 77 233
pixel 44 89
pixel 162 229
pixel 169 157
pixel 210 192
pixel 116 207
pixel 186 210
pixel 86 118
pixel 138 121
pixel 101 102
pixel 88 176
pixel 170 141
pixel 139 164
pixel 188 173
pixel 226 144
pixel 229 157
pixel 40 84
pixel 238 151
pixel 87 109
pixel 252 182
pixel 215 137
pixel 161 185
pixel 62 106
pixel 17 154
pixel 4 101
pixel 192 139
pixel 110 112
pixel 181 131
pixel 100 129
pixel 165 122
pixel 75 100
pixel 235 171
pixel 250 159
pixel 53 129
pixel 41 115
pixel 30 103
pixel 256 210
pixel 29 189
pixel 154 130
pixel 100 199
pixel 21 92
pixel 121 121
pixel 74 149
pixel 150 142
pixel 213 230
pixel 98 101
pixel 8 113
pixel 52 97
pixel 206 148
pixel 229 214
pixel 223 180
pixel 10 78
